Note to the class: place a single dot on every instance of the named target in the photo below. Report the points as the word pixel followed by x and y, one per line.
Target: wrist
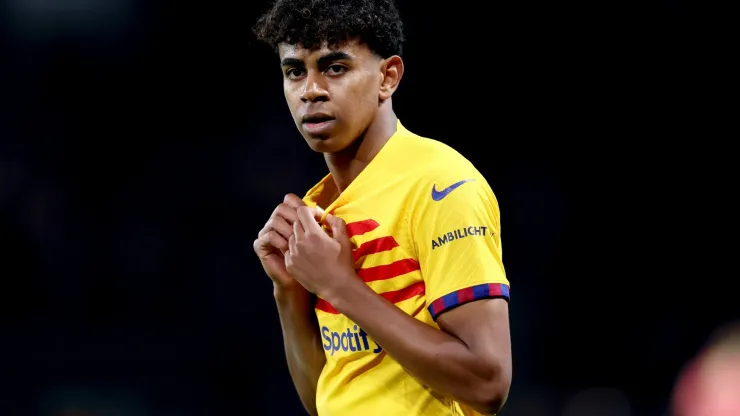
pixel 343 294
pixel 290 294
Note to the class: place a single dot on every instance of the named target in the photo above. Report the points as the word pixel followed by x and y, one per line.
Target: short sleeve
pixel 456 231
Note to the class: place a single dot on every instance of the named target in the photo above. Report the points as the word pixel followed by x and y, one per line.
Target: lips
pixel 318 124
pixel 316 118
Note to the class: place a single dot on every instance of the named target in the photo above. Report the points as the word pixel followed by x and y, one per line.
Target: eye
pixel 294 73
pixel 335 70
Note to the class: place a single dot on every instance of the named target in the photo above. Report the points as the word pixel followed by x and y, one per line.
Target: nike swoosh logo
pixel 439 195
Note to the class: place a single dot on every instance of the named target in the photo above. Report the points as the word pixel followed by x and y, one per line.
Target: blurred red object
pixel 710 384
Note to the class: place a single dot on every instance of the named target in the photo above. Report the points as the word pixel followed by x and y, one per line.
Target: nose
pixel 314 89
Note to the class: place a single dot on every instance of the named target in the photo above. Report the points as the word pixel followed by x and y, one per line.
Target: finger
pixel 288 258
pixel 307 218
pixel 298 230
pixel 278 241
pixel 319 212
pixel 293 201
pixel 280 225
pixel 287 212
pixel 291 244
pixel 338 228
pixel 284 213
pixel 270 241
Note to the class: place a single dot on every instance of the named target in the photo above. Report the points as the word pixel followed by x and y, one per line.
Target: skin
pixel 303 351
pixel 470 358
pixel 354 86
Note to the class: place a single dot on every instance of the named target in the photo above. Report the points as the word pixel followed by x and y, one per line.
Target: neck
pixel 347 164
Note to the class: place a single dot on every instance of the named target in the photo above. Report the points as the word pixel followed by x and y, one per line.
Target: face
pixel 334 92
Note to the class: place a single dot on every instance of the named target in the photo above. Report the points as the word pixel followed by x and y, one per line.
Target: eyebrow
pixel 291 62
pixel 324 60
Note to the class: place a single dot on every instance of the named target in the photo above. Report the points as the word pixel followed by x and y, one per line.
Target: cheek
pixel 363 98
pixel 370 89
pixel 292 98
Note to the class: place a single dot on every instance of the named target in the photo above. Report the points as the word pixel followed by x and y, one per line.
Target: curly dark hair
pixel 310 23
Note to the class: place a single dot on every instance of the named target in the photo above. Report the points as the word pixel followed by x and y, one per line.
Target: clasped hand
pixel 296 251
pixel 320 262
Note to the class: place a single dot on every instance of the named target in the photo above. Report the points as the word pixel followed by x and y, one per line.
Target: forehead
pixel 353 48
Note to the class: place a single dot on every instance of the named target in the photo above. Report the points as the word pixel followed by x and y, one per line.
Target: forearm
pixel 303 350
pixel 437 359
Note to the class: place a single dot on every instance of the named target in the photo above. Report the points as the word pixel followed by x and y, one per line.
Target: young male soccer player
pixel 393 299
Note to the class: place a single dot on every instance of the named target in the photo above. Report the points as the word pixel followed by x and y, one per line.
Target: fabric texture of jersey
pixel 425 229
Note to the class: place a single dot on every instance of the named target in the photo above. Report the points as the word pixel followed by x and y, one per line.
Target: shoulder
pixel 432 156
pixel 433 168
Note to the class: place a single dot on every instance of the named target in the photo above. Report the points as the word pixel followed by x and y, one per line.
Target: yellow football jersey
pixel 425 229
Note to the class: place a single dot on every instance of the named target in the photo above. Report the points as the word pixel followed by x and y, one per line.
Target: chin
pixel 326 144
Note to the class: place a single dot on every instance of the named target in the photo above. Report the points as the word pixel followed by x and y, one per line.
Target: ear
pixel 391 70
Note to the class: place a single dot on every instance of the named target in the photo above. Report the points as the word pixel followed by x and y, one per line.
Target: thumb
pixel 318 212
pixel 338 229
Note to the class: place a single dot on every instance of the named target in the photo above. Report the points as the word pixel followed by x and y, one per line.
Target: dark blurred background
pixel 143 145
